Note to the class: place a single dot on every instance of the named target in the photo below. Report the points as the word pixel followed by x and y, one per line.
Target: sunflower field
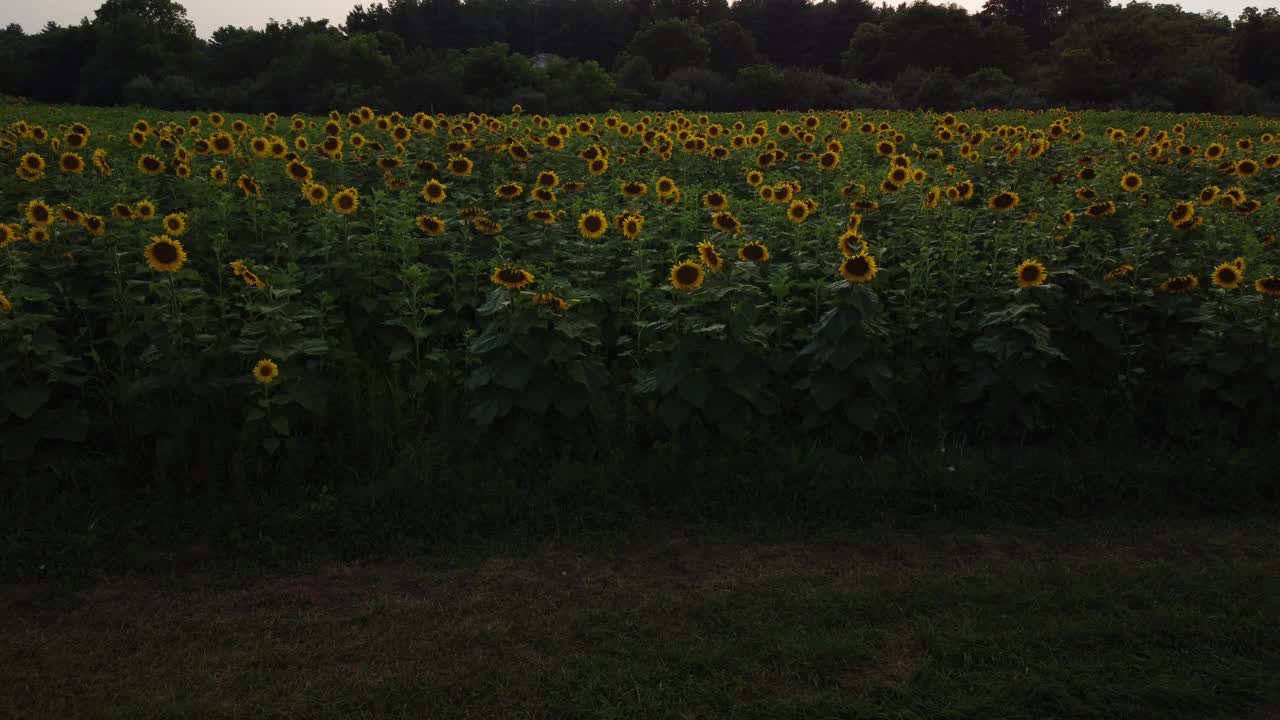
pixel 201 296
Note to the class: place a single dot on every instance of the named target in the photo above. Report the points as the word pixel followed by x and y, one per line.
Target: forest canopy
pixel 565 56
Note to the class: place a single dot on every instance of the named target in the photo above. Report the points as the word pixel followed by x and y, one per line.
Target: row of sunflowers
pixel 863 277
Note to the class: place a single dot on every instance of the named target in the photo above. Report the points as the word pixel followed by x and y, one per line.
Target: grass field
pixel 1160 620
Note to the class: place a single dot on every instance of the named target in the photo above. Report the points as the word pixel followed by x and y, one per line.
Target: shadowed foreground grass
pixel 1172 620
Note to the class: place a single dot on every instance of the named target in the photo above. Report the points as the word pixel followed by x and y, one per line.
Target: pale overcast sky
pixel 209 15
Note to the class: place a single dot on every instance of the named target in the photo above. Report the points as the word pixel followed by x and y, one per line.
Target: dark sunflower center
pixel 345 201
pixel 1271 285
pixel 753 252
pixel 39 213
pixel 632 228
pixel 1227 275
pixel 592 223
pixel 165 253
pixel 687 274
pixel 1004 200
pixel 298 171
pixel 1030 273
pixel 511 276
pixel 1180 212
pixel 433 190
pixel 858 266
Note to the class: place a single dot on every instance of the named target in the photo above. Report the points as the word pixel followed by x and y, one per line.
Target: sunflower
pixel 1120 272
pixel 858 268
pixel 249 187
pixel 509 191
pixel 1180 284
pixel 1086 194
pixel 165 254
pixel 687 275
pixel 37 235
pixel 7 235
pixel 346 201
pixel 1227 276
pixel 1101 210
pixel 71 163
pixel 1067 219
pixel 1181 212
pixel 151 165
pixel 1131 182
pixel 298 171
pixel 1031 273
pixel 39 214
pixel 122 211
pixel 726 222
pixel 511 278
pixel 1269 285
pixel 32 162
pixel 5 305
pixel 754 178
pixel 266 371
pixel 1190 223
pixel 549 299
pixel 144 210
pixel 798 212
pixel 592 224
pixel 851 243
pixel 632 225
pixel 665 185
pixel 1209 195
pixel 754 251
pixel 175 224
pixel 430 224
pixel 94 224
pixel 460 165
pixel 1004 201
pixel 710 256
pixel 715 200
pixel 434 191
pixel 548 179
pixel 544 194
pixel 546 217
pixel 487 226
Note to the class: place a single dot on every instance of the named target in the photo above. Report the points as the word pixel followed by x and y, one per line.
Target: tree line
pixel 565 56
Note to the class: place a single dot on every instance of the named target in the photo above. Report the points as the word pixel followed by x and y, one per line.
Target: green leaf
pixel 25 402
pixel 281 425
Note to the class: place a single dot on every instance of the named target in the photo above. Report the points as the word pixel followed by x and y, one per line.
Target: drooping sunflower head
pixel 165 254
pixel 460 165
pixel 266 371
pixel 710 256
pixel 1227 276
pixel 546 217
pixel 430 225
pixel 1209 195
pixel 94 224
pixel 754 251
pixel 1180 212
pixel 511 277
pixel 851 243
pixel 592 224
pixel 1101 210
pixel 726 222
pixel 1031 273
pixel 1121 271
pixel 1180 284
pixel 859 268
pixel 634 189
pixel 687 275
pixel 509 191
pixel 1269 285
pixel 1003 201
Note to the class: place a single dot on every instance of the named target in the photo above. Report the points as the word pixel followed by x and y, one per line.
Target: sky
pixel 209 15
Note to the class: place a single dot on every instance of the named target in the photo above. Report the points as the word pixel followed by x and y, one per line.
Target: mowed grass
pixel 1071 620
